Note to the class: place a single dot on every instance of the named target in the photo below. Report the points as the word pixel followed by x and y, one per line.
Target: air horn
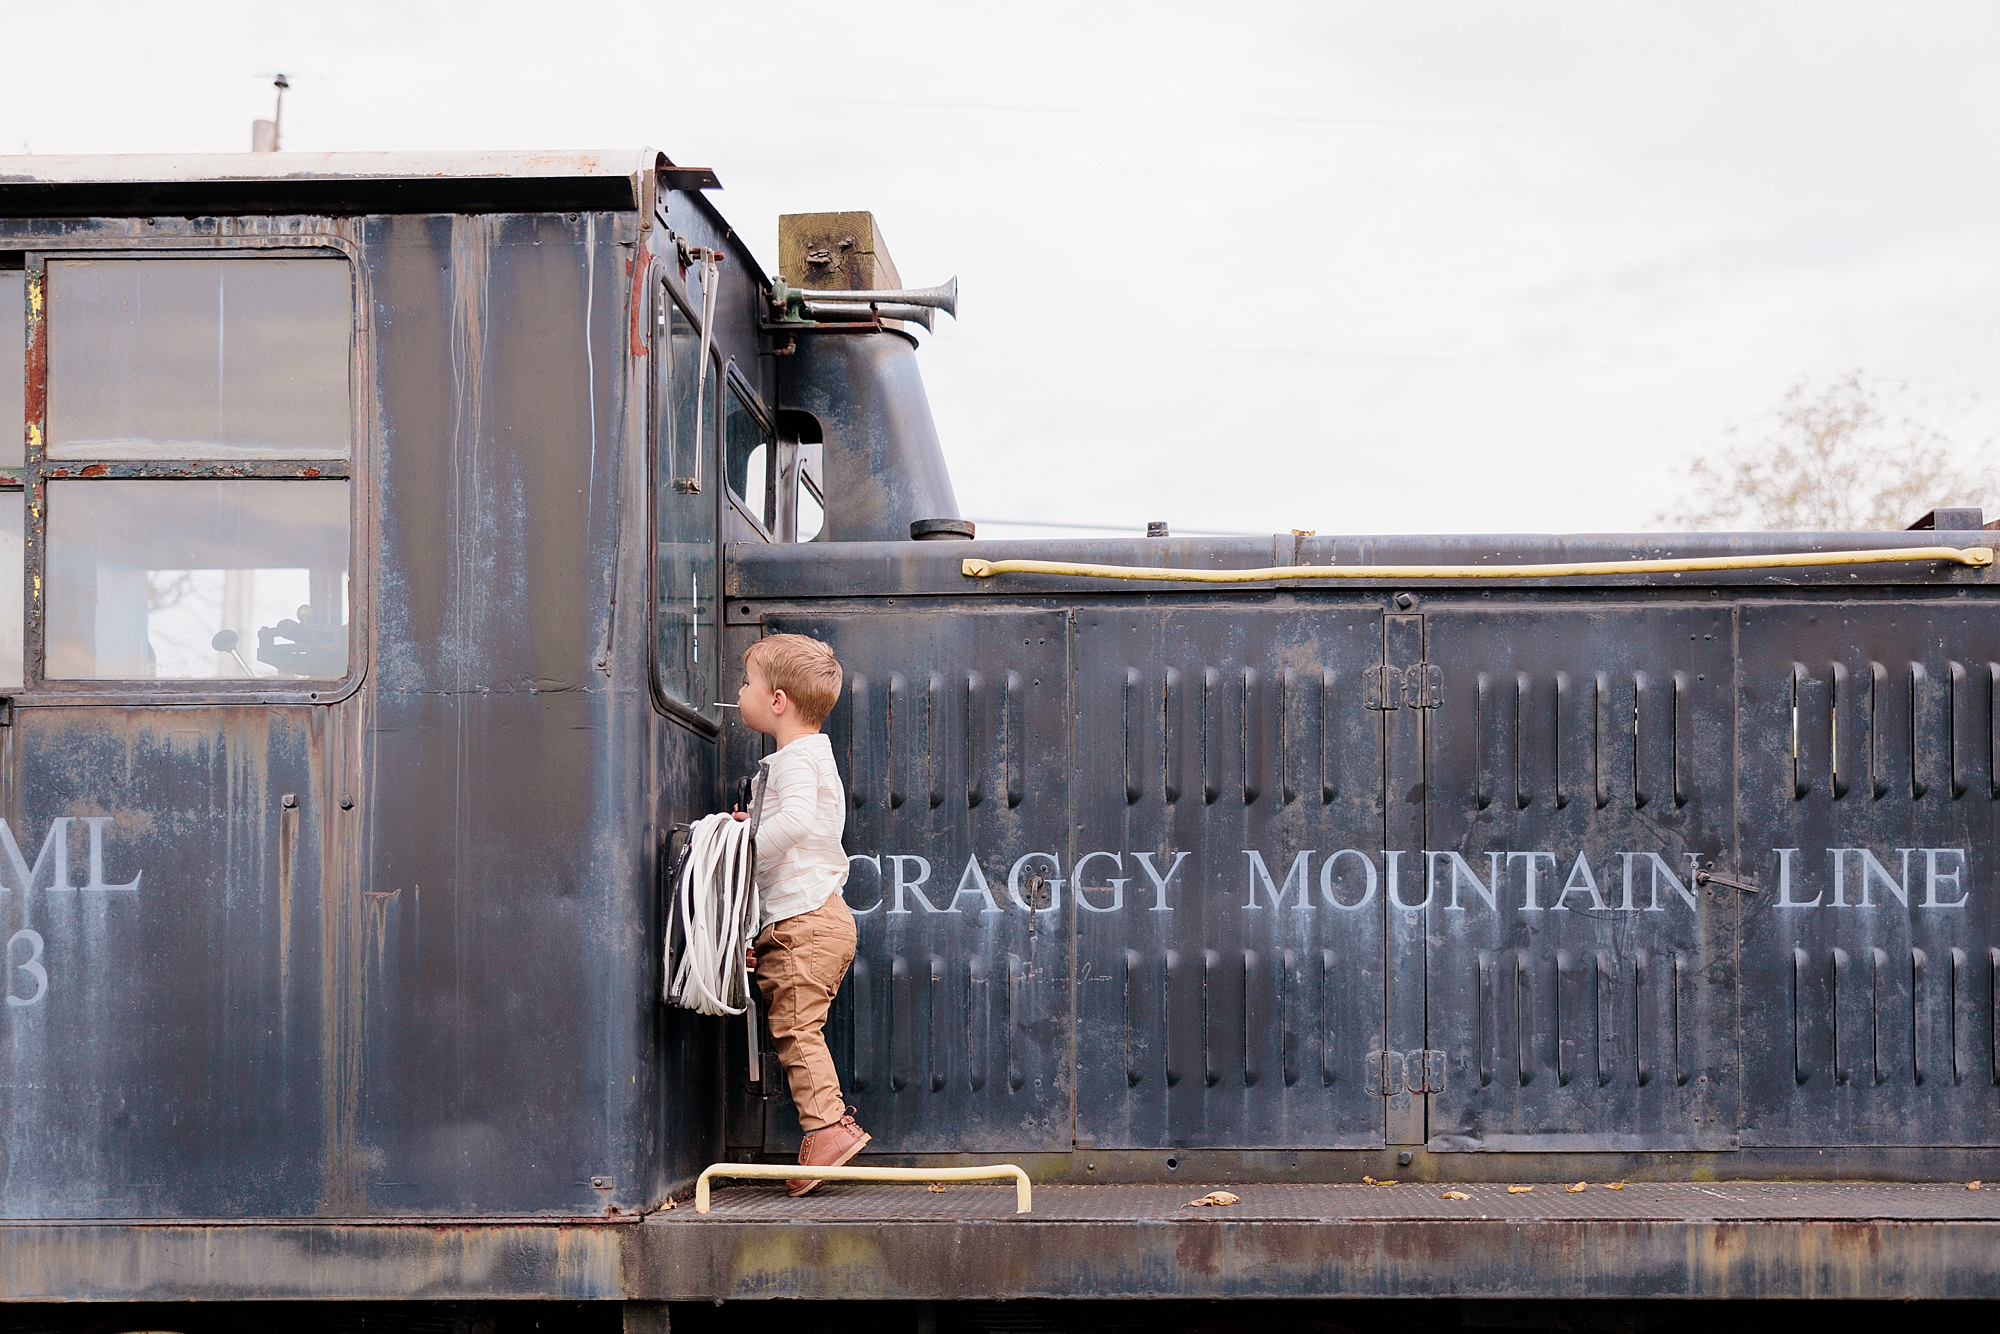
pixel 809 304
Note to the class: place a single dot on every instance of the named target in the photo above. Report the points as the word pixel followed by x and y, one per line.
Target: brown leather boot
pixel 830 1146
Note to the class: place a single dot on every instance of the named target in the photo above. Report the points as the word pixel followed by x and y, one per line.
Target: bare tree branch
pixel 1830 459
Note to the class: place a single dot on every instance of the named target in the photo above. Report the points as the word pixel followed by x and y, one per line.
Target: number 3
pixel 33 967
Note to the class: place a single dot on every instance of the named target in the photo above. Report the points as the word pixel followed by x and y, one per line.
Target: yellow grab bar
pixel 1023 1195
pixel 1974 556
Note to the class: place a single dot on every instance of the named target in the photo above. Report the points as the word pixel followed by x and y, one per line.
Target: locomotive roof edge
pixel 201 184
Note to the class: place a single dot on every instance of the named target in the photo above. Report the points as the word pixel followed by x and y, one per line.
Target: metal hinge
pixel 1381 687
pixel 1423 686
pixel 1384 1074
pixel 1385 688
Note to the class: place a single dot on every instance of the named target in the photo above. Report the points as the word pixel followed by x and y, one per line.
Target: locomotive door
pixel 1578 983
pixel 1869 775
pixel 955 1027
pixel 1225 859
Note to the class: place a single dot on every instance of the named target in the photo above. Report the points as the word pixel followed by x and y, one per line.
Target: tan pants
pixel 800 964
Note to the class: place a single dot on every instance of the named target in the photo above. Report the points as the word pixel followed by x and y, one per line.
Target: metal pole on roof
pixel 264 133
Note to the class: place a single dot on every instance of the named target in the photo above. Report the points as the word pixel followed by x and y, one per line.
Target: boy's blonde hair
pixel 803 668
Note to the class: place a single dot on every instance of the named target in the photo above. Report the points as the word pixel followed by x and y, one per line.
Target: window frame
pixel 38 471
pixel 739 384
pixel 662 284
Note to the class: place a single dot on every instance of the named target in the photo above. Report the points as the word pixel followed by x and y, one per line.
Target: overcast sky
pixel 1351 268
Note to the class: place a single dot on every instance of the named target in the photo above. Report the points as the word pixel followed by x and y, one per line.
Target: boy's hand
pixel 740 815
pixel 750 961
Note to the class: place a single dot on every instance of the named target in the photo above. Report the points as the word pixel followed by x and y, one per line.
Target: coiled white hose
pixel 715 913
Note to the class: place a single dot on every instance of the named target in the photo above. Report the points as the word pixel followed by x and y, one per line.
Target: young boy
pixel 805 939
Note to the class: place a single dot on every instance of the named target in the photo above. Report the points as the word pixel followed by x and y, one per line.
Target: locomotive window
pixel 812 512
pixel 748 443
pixel 684 513
pixel 197 580
pixel 13 377
pixel 199 358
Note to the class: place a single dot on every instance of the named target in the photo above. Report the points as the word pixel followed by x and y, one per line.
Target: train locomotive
pixel 380 534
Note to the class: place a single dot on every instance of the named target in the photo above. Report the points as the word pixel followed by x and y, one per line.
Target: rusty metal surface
pixel 838 1202
pixel 723 1258
pixel 1139 1242
pixel 330 1262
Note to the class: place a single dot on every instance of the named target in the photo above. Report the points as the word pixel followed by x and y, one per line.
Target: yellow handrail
pixel 1023 1194
pixel 1974 556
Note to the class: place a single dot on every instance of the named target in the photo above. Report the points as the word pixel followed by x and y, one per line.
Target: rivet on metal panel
pixel 603 1183
pixel 346 803
pixel 289 800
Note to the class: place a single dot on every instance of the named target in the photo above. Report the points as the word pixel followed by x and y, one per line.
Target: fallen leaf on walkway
pixel 1972 1185
pixel 1454 1195
pixel 1215 1197
pixel 1578 1189
pixel 1519 1190
pixel 937 1187
pixel 1371 1181
pixel 1614 1185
